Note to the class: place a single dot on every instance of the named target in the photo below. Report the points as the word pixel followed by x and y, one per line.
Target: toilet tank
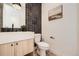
pixel 37 37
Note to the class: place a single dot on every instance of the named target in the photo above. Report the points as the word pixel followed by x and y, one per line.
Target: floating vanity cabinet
pixel 19 48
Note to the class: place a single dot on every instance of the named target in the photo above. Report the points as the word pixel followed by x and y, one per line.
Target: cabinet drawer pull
pixel 16 43
pixel 11 44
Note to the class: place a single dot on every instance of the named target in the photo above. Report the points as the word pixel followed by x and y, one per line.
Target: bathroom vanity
pixel 16 43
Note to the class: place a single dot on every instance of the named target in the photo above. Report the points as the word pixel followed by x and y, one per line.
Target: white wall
pixel 78 29
pixel 14 16
pixel 64 29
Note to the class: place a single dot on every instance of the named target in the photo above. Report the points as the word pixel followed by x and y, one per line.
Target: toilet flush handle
pixel 52 37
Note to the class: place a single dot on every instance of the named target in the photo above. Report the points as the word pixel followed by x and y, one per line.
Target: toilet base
pixel 42 52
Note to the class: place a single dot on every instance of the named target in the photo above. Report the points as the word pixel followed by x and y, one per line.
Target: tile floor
pixel 48 53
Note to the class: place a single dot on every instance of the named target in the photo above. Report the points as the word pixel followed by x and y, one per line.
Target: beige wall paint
pixel 78 29
pixel 64 30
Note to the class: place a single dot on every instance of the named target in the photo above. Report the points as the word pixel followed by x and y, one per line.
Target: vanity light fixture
pixel 16 5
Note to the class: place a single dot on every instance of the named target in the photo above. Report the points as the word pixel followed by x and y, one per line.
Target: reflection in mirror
pixel 13 17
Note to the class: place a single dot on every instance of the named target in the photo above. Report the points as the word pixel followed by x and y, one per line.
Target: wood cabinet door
pixel 24 47
pixel 28 46
pixel 7 49
pixel 18 49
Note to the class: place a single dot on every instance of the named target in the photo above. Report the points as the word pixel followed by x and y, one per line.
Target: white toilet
pixel 42 46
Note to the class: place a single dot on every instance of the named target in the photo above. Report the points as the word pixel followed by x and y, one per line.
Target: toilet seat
pixel 43 45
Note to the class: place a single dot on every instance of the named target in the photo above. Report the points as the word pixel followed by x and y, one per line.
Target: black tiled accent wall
pixel 33 17
pixel 1 16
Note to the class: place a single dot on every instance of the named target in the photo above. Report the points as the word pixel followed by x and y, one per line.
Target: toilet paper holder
pixel 52 37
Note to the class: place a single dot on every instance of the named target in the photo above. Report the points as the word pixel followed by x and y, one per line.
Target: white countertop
pixel 6 37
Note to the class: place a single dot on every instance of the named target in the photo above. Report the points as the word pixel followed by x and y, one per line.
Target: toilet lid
pixel 44 44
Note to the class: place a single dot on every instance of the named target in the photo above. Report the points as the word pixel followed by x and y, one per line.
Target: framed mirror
pixel 12 17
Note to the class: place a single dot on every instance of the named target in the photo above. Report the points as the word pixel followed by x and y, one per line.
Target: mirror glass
pixel 13 17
